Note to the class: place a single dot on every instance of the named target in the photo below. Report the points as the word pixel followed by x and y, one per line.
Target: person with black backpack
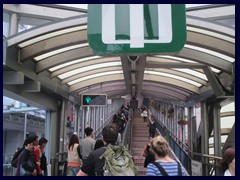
pixel 14 160
pixel 110 160
pixel 25 165
pixel 163 165
pixel 41 159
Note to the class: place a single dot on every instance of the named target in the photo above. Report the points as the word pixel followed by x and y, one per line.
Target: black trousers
pixel 152 133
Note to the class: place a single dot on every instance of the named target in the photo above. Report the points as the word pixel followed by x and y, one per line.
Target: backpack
pixel 118 161
pixel 43 160
pixel 14 161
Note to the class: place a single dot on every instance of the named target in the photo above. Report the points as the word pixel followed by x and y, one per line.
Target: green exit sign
pixel 94 100
pixel 136 28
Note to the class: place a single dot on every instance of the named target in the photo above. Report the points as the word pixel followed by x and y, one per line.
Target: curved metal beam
pixel 47 28
pixel 52 44
pixel 98 87
pixel 206 59
pixel 183 92
pixel 63 58
pixel 210 25
pixel 211 43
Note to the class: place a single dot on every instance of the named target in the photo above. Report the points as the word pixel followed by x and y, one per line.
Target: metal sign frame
pixel 82 100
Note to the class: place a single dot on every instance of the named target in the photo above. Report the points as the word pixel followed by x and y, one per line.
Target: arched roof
pixel 59 51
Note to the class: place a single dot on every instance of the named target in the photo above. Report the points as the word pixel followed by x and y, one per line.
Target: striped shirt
pixel 170 167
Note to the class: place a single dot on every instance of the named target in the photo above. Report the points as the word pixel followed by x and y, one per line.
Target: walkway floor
pixel 140 138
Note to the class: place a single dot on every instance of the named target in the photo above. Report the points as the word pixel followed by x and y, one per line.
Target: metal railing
pixel 8 170
pixel 58 164
pixel 127 134
pixel 98 133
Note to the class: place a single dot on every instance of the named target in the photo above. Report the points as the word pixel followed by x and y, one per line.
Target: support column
pixel 75 112
pixel 51 134
pixel 25 126
pixel 217 135
pixel 204 136
pixel 13 29
pixel 190 113
pixel 62 128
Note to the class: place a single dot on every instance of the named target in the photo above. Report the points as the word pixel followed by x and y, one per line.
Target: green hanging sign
pixel 136 28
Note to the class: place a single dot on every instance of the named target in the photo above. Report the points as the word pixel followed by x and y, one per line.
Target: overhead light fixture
pixel 211 33
pixel 158 73
pixel 52 53
pixel 213 53
pixel 88 68
pixel 73 62
pixel 50 35
pixel 94 76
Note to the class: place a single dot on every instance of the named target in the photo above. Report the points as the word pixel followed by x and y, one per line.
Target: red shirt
pixel 37 154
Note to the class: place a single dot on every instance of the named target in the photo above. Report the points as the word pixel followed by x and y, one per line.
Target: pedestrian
pixel 95 163
pixel 87 144
pixel 163 165
pixel 148 154
pixel 145 115
pixel 26 165
pixel 39 153
pixel 99 143
pixel 152 127
pixel 74 157
pixel 34 137
pixel 228 162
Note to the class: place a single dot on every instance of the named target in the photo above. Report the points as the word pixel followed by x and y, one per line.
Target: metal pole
pixel 62 126
pixel 217 135
pixel 190 128
pixel 75 113
pixel 204 137
pixel 25 126
pixel 48 134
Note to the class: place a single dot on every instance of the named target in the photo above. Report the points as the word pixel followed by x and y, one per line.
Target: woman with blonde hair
pixel 163 165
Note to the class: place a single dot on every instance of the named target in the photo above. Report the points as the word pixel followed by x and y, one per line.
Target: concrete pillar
pixel 13 29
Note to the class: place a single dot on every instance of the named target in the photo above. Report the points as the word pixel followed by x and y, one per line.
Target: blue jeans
pixel 72 171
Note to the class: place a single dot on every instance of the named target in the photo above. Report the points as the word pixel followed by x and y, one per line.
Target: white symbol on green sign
pixel 136 25
pixel 136 28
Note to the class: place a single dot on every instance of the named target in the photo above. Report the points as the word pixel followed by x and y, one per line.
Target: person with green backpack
pixel 110 160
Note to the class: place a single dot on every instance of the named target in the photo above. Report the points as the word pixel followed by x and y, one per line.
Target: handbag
pixel 145 151
pixel 24 172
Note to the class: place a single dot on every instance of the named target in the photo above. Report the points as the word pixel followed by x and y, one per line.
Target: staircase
pixel 140 137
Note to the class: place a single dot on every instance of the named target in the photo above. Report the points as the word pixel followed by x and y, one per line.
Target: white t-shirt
pixel 227 173
pixel 145 113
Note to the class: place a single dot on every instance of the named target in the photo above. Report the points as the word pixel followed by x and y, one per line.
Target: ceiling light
pixel 50 35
